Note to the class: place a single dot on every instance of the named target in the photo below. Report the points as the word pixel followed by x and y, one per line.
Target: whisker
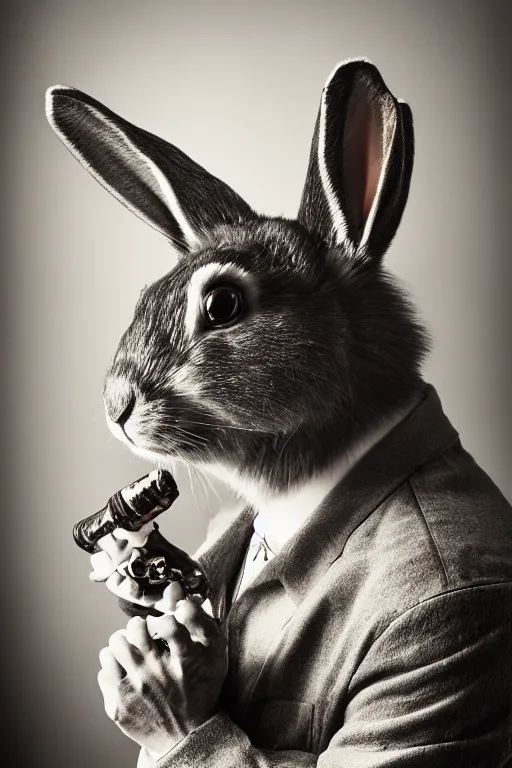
pixel 208 480
pixel 288 440
pixel 205 491
pixel 192 489
pixel 225 426
pixel 187 433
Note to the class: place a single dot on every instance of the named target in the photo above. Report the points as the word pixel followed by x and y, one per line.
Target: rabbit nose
pixel 119 400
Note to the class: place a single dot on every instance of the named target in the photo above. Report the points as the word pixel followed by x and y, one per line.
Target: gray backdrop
pixel 236 85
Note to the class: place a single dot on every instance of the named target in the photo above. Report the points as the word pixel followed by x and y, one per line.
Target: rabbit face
pixel 182 383
pixel 274 343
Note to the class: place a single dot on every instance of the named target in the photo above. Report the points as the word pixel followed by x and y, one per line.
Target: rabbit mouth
pixel 120 432
pixel 156 441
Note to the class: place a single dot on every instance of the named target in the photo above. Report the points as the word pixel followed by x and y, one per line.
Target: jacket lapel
pixel 420 437
pixel 224 558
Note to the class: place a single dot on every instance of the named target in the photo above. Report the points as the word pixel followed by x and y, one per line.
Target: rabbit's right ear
pixel 152 178
pixel 360 164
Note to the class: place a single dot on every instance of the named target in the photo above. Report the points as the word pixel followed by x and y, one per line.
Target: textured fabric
pixel 381 635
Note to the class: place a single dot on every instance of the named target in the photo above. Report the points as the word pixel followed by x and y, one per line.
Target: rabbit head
pixel 273 344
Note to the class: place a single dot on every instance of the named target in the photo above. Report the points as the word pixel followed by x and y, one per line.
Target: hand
pixel 109 566
pixel 157 694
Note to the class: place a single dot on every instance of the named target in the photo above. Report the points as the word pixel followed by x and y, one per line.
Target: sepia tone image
pixel 257 422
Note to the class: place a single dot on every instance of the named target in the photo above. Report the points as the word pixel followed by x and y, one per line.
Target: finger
pixel 200 625
pixel 207 607
pixel 102 566
pixel 172 594
pixel 167 628
pixel 114 581
pixel 134 539
pixel 110 665
pixel 108 687
pixel 118 550
pixel 127 656
pixel 127 588
pixel 137 634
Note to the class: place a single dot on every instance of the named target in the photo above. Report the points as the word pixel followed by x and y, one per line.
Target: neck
pixel 282 512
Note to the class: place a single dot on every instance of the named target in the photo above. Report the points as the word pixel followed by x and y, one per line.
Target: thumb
pixel 201 625
pixel 102 566
pixel 171 595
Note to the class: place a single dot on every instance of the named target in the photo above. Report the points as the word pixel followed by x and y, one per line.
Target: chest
pixel 290 666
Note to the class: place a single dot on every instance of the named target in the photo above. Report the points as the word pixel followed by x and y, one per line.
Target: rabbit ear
pixel 361 161
pixel 152 178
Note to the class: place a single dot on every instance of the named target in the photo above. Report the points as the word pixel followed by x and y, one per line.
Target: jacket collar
pixel 421 436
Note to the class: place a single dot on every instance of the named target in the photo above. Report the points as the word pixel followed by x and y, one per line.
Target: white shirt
pixel 258 554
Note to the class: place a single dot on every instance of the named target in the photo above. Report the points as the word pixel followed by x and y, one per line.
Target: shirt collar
pixel 422 435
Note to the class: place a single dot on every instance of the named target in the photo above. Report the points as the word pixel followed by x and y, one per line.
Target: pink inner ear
pixel 362 159
pixel 373 159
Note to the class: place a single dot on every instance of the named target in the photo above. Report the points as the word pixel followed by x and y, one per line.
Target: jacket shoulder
pixel 445 528
pixel 468 519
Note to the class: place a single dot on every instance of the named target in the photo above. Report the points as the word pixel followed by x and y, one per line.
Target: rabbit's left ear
pixel 361 162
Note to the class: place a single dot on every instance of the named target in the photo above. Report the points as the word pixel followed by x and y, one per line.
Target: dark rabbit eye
pixel 222 306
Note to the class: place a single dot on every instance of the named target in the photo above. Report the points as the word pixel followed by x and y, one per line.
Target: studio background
pixel 235 85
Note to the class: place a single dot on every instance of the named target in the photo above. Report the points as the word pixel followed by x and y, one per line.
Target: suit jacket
pixel 381 635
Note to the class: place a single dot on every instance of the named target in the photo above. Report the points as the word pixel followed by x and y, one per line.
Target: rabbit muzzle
pixel 120 401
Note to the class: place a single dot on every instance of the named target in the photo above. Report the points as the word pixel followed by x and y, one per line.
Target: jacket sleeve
pixel 433 691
